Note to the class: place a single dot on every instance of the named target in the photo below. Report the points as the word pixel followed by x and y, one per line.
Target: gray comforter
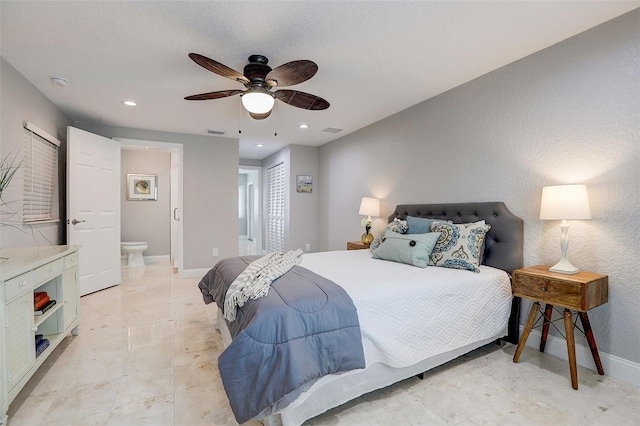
pixel 305 328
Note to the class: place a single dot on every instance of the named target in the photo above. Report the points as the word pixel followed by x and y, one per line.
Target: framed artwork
pixel 142 187
pixel 304 183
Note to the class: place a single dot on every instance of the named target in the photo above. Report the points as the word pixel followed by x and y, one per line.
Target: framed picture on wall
pixel 142 187
pixel 304 183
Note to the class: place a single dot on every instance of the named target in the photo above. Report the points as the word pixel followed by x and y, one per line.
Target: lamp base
pixel 564 267
pixel 367 238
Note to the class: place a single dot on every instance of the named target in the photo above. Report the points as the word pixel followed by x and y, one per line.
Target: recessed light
pixel 259 145
pixel 303 125
pixel 129 103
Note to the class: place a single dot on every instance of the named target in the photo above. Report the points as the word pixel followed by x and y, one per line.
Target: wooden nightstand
pixel 578 292
pixel 356 245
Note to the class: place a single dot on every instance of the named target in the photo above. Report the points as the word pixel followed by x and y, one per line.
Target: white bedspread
pixel 407 313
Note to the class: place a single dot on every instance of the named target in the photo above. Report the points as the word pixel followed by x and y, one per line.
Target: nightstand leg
pixel 571 347
pixel 533 313
pixel 584 318
pixel 548 310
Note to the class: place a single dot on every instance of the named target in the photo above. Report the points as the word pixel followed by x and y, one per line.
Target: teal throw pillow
pixel 412 249
pixel 421 225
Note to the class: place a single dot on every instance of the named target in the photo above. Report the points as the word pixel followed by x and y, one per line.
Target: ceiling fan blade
pixel 291 73
pixel 218 68
pixel 260 116
pixel 212 95
pixel 301 99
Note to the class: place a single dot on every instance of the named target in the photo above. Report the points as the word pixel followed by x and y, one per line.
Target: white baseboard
pixel 157 259
pixel 193 273
pixel 616 367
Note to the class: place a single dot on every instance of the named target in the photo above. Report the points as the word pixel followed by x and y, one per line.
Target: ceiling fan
pixel 259 80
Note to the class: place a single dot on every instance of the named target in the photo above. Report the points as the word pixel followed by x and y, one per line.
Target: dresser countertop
pixel 23 259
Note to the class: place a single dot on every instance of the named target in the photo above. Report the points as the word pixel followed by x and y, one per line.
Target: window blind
pixel 275 208
pixel 40 174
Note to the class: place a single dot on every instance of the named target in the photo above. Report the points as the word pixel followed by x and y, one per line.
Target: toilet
pixel 132 251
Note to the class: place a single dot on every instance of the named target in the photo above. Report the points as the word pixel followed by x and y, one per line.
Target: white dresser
pixel 23 271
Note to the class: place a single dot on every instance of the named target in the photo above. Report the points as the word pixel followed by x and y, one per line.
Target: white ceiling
pixel 375 58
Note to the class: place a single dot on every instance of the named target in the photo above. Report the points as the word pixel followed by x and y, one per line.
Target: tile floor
pixel 147 351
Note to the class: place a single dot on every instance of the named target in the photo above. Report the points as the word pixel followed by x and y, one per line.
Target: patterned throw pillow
pixel 399 226
pixel 459 245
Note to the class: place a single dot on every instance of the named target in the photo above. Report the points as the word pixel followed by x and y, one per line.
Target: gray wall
pixel 22 101
pixel 210 191
pixel 148 221
pixel 567 114
pixel 303 227
pixel 250 162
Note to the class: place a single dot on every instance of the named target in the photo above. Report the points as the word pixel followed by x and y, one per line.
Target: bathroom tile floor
pixel 147 355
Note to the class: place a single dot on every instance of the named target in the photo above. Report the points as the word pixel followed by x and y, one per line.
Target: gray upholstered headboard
pixel 503 246
pixel 504 241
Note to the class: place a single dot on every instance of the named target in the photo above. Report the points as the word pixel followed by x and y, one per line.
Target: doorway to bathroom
pixel 156 222
pixel 249 210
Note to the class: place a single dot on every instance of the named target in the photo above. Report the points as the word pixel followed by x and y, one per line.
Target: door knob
pixel 75 221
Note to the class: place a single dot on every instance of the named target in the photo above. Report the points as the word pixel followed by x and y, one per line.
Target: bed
pixel 407 327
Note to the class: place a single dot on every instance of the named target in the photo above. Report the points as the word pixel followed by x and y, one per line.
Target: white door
pixel 93 207
pixel 276 202
pixel 250 209
pixel 175 209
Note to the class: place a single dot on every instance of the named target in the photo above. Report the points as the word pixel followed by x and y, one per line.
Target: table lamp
pixel 368 207
pixel 564 202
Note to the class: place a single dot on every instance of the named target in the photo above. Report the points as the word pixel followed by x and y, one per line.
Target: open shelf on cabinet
pixel 40 319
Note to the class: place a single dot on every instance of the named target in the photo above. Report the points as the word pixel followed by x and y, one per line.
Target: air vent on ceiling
pixel 332 130
pixel 216 132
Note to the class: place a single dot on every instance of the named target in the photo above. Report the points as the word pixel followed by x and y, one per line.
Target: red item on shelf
pixel 39 295
pixel 38 305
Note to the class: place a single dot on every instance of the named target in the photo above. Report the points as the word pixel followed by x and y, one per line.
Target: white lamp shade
pixel 370 206
pixel 257 102
pixel 565 202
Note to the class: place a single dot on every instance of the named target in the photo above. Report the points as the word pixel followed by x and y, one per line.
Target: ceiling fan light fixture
pixel 259 78
pixel 257 100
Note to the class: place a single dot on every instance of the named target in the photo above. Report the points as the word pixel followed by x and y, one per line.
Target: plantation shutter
pixel 275 208
pixel 40 174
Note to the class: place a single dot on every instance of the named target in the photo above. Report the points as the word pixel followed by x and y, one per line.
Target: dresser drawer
pixel 48 271
pixel 548 290
pixel 579 292
pixel 18 286
pixel 70 260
